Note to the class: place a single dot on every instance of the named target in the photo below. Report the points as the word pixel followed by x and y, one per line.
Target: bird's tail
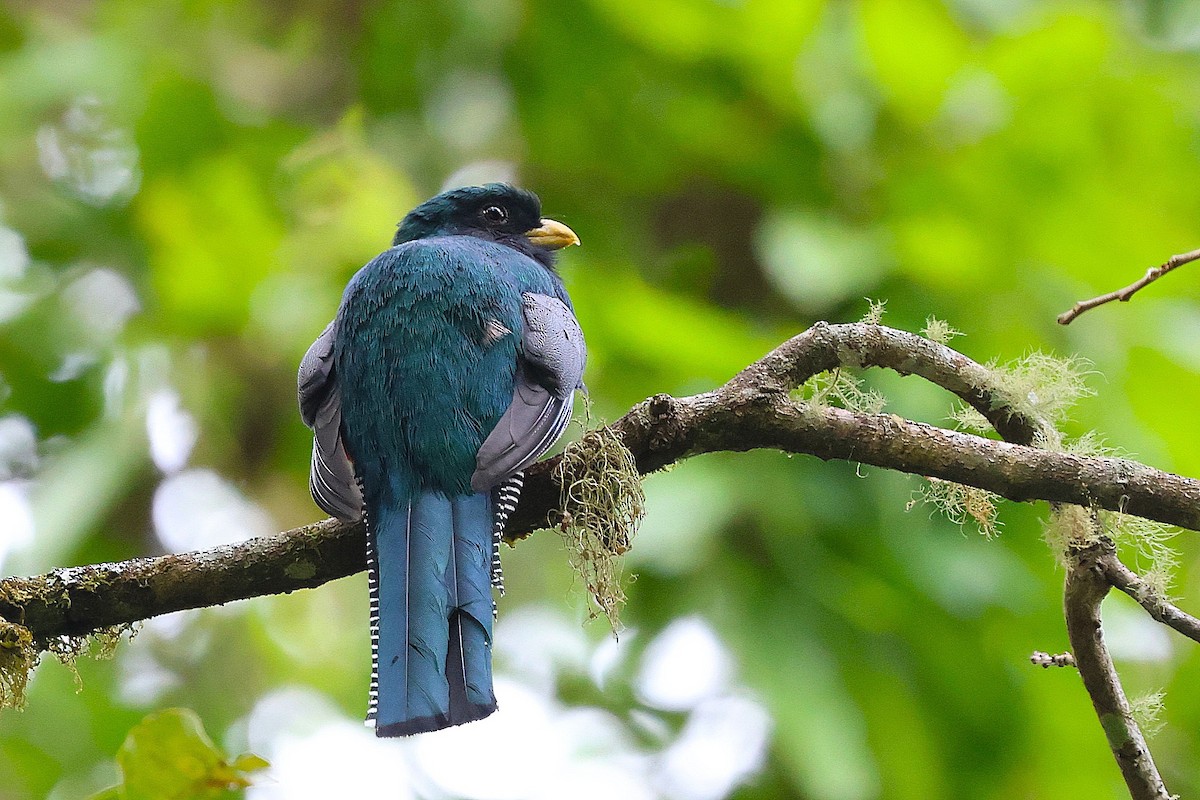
pixel 430 570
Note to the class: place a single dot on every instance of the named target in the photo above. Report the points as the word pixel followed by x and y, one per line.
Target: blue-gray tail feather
pixel 432 560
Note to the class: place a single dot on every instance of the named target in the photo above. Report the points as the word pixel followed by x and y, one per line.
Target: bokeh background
pixel 186 186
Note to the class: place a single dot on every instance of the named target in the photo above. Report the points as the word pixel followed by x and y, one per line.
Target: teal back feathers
pixel 422 377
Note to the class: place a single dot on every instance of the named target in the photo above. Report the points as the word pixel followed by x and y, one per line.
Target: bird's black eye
pixel 495 215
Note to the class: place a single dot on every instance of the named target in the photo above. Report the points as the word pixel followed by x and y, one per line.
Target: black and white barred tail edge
pixel 505 496
pixel 373 588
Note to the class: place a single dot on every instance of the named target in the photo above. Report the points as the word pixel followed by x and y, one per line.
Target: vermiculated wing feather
pixel 550 368
pixel 315 380
pixel 331 476
pixel 552 344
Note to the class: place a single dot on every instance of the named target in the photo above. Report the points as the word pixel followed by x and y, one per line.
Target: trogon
pixel 450 367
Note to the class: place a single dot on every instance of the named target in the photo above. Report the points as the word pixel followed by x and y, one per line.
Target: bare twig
pixel 1046 660
pixel 1125 579
pixel 1129 291
pixel 1085 589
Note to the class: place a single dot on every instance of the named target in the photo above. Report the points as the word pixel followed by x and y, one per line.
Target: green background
pixel 185 188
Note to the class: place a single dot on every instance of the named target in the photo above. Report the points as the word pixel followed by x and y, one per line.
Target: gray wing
pixel 549 370
pixel 331 477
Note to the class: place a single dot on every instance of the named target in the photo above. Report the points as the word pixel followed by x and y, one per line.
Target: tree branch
pixel 1124 295
pixel 1161 609
pixel 1086 587
pixel 753 410
pixel 79 600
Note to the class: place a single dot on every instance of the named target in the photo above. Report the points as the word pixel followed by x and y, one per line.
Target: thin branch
pixel 1046 660
pixel 1161 609
pixel 1129 291
pixel 1086 587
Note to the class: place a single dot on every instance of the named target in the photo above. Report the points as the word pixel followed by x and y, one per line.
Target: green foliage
pixel 736 170
pixel 168 756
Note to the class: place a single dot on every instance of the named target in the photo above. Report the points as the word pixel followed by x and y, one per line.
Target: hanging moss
pixel 961 504
pixel 841 389
pixel 1039 386
pixel 18 657
pixel 100 644
pixel 602 507
pixel 1152 545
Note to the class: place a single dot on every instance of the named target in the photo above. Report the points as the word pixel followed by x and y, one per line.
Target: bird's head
pixel 497 212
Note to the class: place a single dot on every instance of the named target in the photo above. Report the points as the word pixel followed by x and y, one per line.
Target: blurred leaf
pixel 26 768
pixel 916 49
pixel 168 756
pixel 214 235
pixel 248 762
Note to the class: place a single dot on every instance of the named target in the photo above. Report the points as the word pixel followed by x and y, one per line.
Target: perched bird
pixel 451 366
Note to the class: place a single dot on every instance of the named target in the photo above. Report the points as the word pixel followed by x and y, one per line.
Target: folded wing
pixel 549 370
pixel 331 477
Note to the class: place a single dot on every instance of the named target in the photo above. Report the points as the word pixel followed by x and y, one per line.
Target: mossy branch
pixel 755 409
pixel 1149 597
pixel 80 600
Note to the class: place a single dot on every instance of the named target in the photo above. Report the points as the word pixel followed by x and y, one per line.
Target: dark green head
pixel 496 212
